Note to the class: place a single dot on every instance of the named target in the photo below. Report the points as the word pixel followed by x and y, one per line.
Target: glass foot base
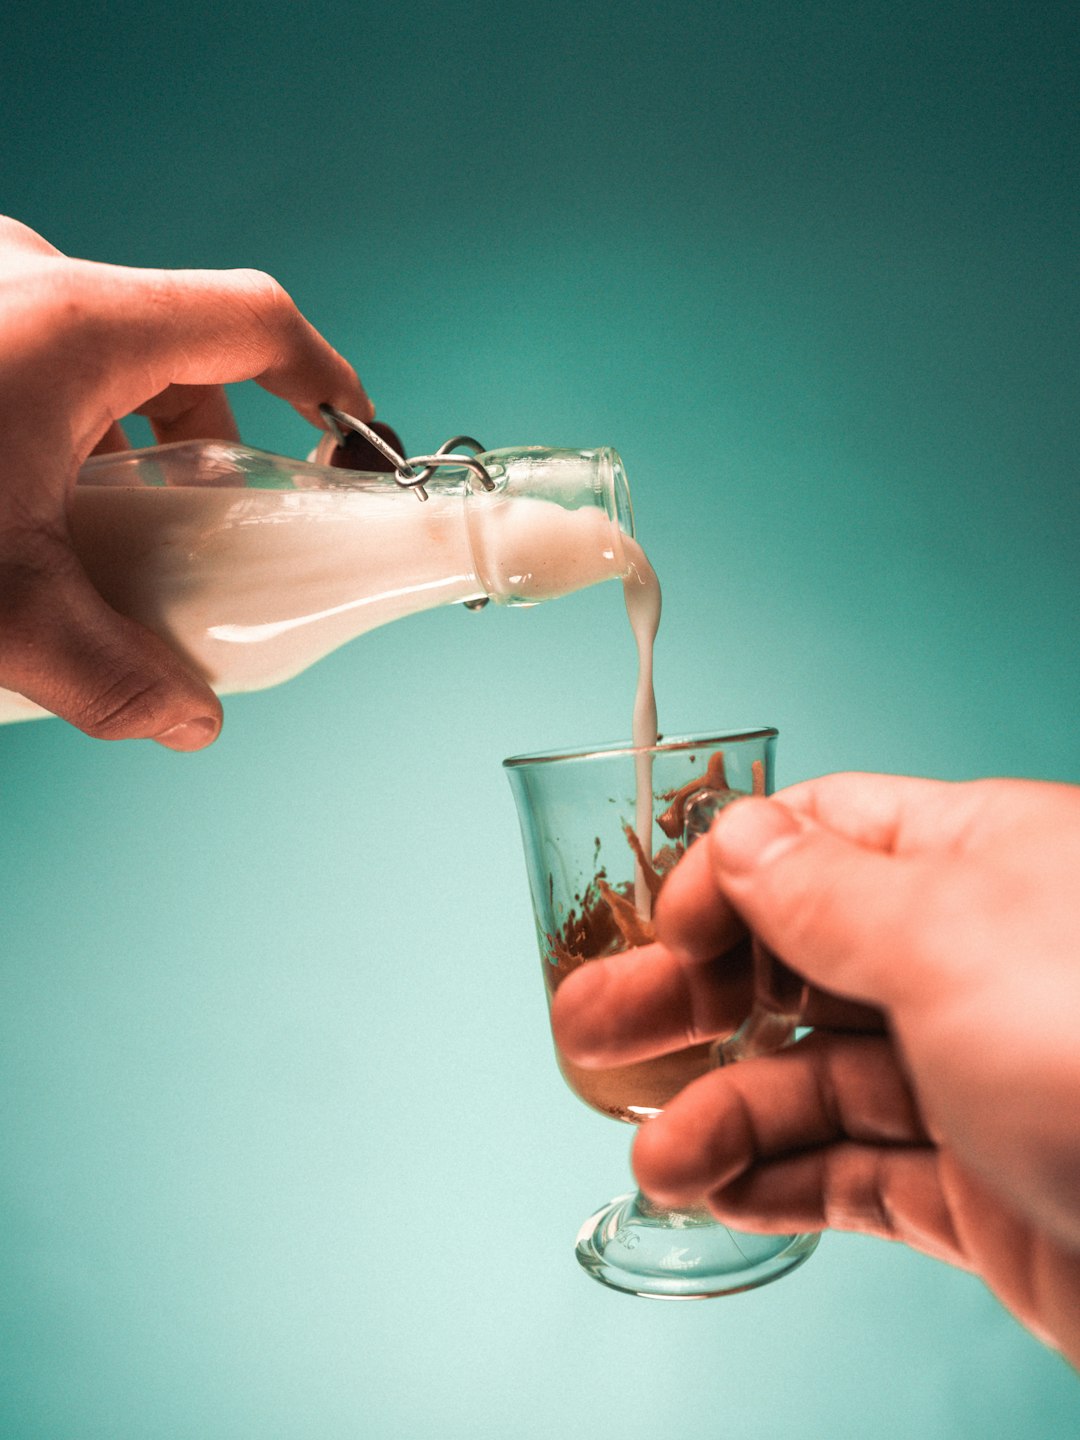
pixel 642 1249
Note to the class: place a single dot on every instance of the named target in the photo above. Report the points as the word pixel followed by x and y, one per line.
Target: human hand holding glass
pixel 576 812
pixel 936 1101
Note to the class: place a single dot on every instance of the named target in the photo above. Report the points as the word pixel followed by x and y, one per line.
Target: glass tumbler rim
pixel 669 744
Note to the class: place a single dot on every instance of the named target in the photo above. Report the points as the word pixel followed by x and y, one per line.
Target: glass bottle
pixel 252 566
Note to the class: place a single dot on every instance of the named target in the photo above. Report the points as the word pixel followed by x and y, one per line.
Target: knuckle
pixel 267 296
pixel 26 585
pixel 267 314
pixel 161 290
pixel 14 235
pixel 130 706
pixel 40 299
pixel 856 1191
pixel 19 625
pixel 71 317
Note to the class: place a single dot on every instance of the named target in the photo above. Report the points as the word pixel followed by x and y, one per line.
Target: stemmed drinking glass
pixel 592 876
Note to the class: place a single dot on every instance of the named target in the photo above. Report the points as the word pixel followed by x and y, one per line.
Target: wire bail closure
pixel 405 471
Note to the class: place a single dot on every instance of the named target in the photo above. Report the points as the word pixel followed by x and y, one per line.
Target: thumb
pixel 65 649
pixel 840 913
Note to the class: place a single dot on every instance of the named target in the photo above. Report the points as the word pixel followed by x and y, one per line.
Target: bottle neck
pixel 555 523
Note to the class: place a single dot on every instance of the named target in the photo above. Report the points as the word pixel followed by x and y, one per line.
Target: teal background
pixel 285 1153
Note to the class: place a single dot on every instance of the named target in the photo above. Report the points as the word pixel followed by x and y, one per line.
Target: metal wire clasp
pixel 405 471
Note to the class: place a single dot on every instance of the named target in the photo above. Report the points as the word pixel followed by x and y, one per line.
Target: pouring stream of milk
pixel 641 590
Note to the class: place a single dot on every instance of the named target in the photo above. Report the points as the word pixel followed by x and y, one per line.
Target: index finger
pixel 204 327
pixel 693 916
pixel 645 1002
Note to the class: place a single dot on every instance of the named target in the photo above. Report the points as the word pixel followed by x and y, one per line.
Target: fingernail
pixel 189 735
pixel 752 832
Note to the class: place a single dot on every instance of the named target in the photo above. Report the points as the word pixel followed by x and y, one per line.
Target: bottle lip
pixel 615 486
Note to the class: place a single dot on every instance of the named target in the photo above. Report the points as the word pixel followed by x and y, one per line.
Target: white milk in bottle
pixel 252 567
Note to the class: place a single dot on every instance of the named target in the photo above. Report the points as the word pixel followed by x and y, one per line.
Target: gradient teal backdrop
pixel 285 1153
